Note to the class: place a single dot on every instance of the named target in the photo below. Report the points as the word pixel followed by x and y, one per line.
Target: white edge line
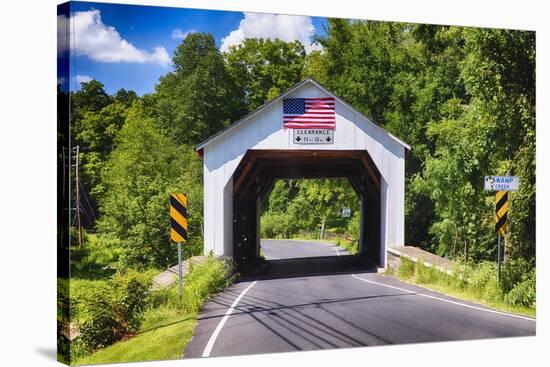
pixel 214 336
pixel 337 250
pixel 445 300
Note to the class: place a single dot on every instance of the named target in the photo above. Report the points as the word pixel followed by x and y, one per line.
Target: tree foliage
pixel 265 68
pixel 310 205
pixel 463 98
pixel 199 97
pixel 143 170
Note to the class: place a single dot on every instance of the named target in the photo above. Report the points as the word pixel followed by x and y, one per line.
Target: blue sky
pixel 130 46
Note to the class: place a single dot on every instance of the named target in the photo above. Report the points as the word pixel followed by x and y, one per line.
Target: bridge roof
pixel 238 123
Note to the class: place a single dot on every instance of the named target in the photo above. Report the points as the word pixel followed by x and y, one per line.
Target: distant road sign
pixel 501 212
pixel 501 183
pixel 178 218
pixel 346 212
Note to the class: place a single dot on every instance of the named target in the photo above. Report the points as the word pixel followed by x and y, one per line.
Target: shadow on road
pixel 312 266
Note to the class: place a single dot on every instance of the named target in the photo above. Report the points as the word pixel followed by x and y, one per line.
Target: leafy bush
pixel 63 307
pixel 110 313
pixel 97 259
pixel 277 225
pixel 354 226
pixel 523 294
pixel 519 283
pixel 110 310
pixel 514 272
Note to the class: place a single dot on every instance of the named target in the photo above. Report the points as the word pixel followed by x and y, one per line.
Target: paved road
pixel 287 249
pixel 287 309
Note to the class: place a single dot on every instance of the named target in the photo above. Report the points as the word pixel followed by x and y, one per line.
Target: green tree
pixel 199 97
pixel 264 68
pixel 97 134
pixel 139 176
pixel 499 73
pixel 126 97
pixel 361 59
pixel 91 97
pixel 314 68
pixel 488 131
pixel 381 69
pixel 453 178
pixel 307 205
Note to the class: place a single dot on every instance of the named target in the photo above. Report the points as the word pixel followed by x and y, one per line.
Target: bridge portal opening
pixel 309 218
pixel 260 170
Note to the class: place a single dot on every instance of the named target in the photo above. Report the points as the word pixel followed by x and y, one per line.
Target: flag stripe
pixel 307 125
pixel 310 126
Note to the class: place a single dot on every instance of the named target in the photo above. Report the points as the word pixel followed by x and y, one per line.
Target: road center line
pixel 443 299
pixel 216 332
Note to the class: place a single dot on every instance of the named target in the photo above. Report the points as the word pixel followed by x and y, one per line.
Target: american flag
pixel 309 113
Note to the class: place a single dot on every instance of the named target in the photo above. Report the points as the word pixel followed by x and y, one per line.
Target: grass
pixel 350 246
pixel 162 342
pixel 167 325
pixel 477 284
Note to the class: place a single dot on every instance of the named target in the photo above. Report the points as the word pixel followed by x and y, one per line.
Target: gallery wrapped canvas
pixel 235 183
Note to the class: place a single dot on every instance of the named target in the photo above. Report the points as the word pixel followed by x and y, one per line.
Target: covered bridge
pixel 242 162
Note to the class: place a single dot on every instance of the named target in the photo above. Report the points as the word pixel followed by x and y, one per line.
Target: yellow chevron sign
pixel 178 217
pixel 501 212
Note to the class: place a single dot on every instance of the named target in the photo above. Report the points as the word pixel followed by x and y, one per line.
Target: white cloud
pixel 101 42
pixel 62 33
pixel 285 27
pixel 83 79
pixel 179 34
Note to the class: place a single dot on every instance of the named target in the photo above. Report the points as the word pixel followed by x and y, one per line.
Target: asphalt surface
pixel 288 249
pixel 339 308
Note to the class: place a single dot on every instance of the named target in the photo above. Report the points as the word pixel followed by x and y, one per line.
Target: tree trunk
pixel 323 223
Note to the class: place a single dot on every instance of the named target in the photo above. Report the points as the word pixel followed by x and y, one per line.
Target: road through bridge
pixel 336 306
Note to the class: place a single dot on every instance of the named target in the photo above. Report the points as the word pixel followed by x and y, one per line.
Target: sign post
pixel 501 184
pixel 180 272
pixel 501 219
pixel 178 229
